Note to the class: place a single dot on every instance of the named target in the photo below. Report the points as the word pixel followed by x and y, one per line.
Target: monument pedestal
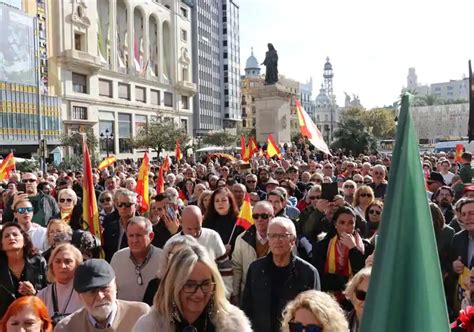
pixel 273 113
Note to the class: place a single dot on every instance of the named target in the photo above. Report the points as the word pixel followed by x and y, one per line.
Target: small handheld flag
pixel 459 151
pixel 107 162
pixel 272 147
pixel 244 218
pixel 142 185
pixel 7 166
pixel 178 153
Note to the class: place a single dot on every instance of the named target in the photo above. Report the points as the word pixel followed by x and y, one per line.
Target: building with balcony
pixel 118 64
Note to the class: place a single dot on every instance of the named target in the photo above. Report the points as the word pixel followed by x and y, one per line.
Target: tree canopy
pixel 75 141
pixel 160 136
pixel 220 138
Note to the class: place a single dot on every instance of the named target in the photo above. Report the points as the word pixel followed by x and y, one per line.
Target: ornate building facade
pixel 118 64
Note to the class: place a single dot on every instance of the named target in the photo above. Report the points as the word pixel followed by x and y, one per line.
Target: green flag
pixel 406 289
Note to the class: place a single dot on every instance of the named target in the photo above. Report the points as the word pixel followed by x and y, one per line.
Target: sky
pixel 370 43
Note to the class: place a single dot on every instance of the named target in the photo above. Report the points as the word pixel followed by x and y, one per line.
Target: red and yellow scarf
pixel 337 260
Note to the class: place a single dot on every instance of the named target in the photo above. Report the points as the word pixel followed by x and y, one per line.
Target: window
pixel 105 88
pixel 124 91
pixel 225 55
pixel 140 123
pixel 224 43
pixel 79 83
pixel 155 97
pixel 184 35
pixel 106 122
pixel 168 99
pixel 184 12
pixel 78 41
pixel 185 102
pixel 125 132
pixel 184 124
pixel 140 94
pixel 79 113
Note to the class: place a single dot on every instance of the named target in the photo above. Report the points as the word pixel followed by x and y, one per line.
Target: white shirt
pixel 126 275
pixel 211 240
pixel 448 177
pixel 38 236
pixel 67 302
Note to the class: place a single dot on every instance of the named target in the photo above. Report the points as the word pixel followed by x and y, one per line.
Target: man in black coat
pixel 274 280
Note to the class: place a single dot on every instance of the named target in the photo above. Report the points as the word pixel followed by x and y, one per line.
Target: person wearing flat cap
pixel 94 281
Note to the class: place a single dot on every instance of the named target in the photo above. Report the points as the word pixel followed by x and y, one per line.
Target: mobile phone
pixel 170 212
pixel 329 190
pixel 21 186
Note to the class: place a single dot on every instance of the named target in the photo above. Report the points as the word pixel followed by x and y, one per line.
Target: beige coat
pixel 127 315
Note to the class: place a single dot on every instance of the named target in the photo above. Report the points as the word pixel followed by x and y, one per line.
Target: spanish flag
pixel 166 164
pixel 107 162
pixel 251 149
pixel 142 185
pixel 272 147
pixel 178 153
pixel 309 129
pixel 242 147
pixel 160 183
pixel 7 166
pixel 89 202
pixel 244 218
pixel 459 151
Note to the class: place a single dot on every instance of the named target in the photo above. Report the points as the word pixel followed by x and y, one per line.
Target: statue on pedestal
pixel 271 64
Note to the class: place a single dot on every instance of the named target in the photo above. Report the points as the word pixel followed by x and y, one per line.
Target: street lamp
pixel 107 135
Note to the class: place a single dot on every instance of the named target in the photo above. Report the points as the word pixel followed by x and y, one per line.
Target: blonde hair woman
pixel 363 196
pixel 356 291
pixel 314 309
pixel 192 295
pixel 59 296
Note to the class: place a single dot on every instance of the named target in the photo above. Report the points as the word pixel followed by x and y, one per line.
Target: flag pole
pixel 232 233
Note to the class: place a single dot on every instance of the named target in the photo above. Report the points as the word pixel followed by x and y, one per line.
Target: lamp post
pixel 107 135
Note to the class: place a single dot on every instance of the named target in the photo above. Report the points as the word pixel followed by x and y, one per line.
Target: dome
pixel 322 99
pixel 327 65
pixel 252 62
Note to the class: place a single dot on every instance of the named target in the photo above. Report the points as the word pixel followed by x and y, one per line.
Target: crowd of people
pixel 186 264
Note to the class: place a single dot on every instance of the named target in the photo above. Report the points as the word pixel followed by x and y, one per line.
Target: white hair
pixel 283 222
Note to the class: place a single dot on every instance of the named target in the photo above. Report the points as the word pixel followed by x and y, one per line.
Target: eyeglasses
pixel 126 205
pixel 25 210
pixel 314 197
pixel 206 287
pixel 62 200
pixel 251 181
pixel 349 187
pixel 327 167
pixel 377 212
pixel 378 173
pixel 107 199
pixel 28 180
pixel 255 216
pixel 360 295
pixel 298 327
pixel 365 195
pixel 280 236
pixel 359 182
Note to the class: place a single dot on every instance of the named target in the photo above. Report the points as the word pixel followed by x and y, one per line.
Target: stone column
pixel 273 113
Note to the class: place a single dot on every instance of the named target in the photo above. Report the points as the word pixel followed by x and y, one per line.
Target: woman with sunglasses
pixel 191 298
pixel 69 210
pixel 313 311
pixel 363 196
pixel 106 205
pixel 373 216
pixel 23 213
pixel 356 292
pixel 22 268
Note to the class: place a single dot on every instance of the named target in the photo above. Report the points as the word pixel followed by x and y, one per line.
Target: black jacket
pixel 111 235
pixel 333 281
pixel 34 272
pixel 459 249
pixel 257 297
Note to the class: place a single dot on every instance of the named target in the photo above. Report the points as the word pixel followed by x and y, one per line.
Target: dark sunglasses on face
pixel 126 205
pixel 255 216
pixel 348 187
pixel 360 295
pixel 107 199
pixel 28 180
pixel 375 212
pixel 25 210
pixel 251 181
pixel 62 200
pixel 365 195
pixel 359 182
pixel 298 327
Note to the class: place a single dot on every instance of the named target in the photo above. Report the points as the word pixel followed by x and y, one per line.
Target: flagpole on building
pixel 41 146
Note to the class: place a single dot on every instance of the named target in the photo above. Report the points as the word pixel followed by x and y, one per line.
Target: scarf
pixel 337 260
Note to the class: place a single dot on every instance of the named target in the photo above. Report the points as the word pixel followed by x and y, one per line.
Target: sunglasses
pixel 298 327
pixel 314 197
pixel 365 195
pixel 360 295
pixel 28 180
pixel 126 205
pixel 25 210
pixel 375 212
pixel 251 181
pixel 378 173
pixel 62 200
pixel 327 167
pixel 349 187
pixel 103 200
pixel 359 182
pixel 255 216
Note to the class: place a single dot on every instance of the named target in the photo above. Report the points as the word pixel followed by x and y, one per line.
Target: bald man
pixel 191 224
